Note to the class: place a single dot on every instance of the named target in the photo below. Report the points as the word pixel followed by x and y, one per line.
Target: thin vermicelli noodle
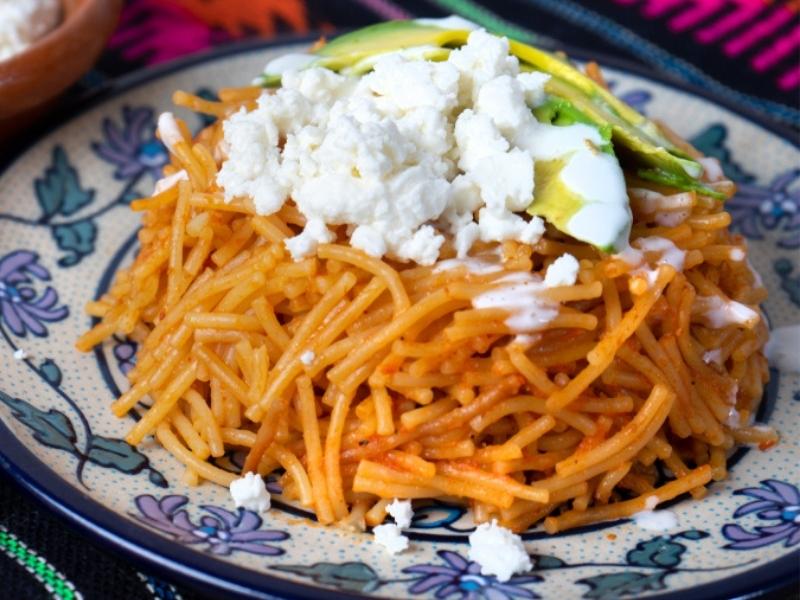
pixel 364 379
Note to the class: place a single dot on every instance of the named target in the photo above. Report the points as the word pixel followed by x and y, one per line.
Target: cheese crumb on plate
pixel 390 536
pixel 401 512
pixel 498 551
pixel 250 492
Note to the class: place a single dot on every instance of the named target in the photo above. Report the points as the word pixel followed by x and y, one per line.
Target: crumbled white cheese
pixel 307 241
pixel 20 354
pixel 307 357
pixel 414 150
pixel 650 502
pixel 251 493
pixel 22 22
pixel 390 537
pixel 563 271
pixel 498 551
pixel 169 131
pixel 163 184
pixel 401 512
pixel 408 152
pixel 656 520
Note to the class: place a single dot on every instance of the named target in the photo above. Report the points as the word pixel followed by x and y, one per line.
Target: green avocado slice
pixel 353 47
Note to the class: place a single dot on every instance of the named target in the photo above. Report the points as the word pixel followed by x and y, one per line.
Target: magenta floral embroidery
pixel 155 31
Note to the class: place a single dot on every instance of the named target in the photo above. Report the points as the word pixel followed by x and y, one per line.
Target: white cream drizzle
pixel 165 183
pixel 713 357
pixel 168 131
pixel 471 264
pixel 667 211
pixel 670 255
pixel 717 312
pixel 520 294
pixel 711 168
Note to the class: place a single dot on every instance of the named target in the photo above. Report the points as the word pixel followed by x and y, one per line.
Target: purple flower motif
pixel 772 206
pixel 20 307
pixel 773 501
pixel 125 353
pixel 133 147
pixel 222 531
pixel 462 579
pixel 636 98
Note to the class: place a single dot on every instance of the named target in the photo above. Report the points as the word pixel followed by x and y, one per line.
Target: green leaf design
pixel 711 142
pixel 77 239
pixel 610 586
pixel 50 371
pixel 157 478
pixel 658 552
pixel 59 190
pixel 692 534
pixel 546 561
pixel 115 454
pixel 350 576
pixel 51 428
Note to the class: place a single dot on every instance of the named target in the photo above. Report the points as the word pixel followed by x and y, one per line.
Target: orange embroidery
pixel 237 17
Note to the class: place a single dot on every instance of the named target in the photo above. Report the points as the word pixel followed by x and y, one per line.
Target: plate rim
pixel 181 563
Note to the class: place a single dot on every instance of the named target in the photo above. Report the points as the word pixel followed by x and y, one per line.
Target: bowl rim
pixel 106 527
pixel 67 21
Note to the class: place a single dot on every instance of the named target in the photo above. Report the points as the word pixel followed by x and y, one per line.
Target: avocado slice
pixel 644 154
pixel 346 50
pixel 573 212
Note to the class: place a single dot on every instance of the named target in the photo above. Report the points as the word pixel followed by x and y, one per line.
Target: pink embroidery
pixel 159 30
pixel 739 26
pixel 691 17
pixel 758 31
pixel 653 9
pixel 779 49
pixel 747 10
pixel 789 80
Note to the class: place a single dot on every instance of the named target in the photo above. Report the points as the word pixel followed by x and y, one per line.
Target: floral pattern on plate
pixel 64 230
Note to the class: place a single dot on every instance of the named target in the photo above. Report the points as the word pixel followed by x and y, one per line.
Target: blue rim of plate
pixel 173 561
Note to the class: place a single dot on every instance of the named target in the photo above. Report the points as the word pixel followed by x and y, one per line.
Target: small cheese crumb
pixel 498 551
pixel 251 493
pixel 20 354
pixel 656 520
pixel 737 254
pixel 401 512
pixel 563 271
pixel 651 502
pixel 307 357
pixel 390 537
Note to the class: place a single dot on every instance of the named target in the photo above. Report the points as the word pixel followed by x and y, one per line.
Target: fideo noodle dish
pixel 423 261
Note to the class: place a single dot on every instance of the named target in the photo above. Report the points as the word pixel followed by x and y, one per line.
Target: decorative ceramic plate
pixel 65 229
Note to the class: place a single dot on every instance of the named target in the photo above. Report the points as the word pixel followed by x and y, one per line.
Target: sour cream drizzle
pixel 520 294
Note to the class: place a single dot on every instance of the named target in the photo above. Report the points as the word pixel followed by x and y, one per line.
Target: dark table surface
pixel 747 51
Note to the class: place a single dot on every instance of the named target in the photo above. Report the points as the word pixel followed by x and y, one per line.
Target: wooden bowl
pixel 31 80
